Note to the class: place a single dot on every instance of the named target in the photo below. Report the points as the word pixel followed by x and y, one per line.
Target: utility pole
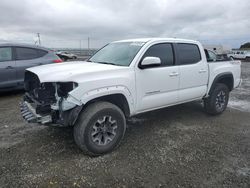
pixel 39 40
pixel 88 47
pixel 80 47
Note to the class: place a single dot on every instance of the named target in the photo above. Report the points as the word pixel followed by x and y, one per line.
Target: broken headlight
pixel 63 88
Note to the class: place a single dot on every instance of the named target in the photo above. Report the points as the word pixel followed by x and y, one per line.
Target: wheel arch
pixel 117 99
pixel 224 78
pixel 119 95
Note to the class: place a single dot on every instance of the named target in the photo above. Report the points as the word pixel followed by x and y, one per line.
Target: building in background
pixel 218 48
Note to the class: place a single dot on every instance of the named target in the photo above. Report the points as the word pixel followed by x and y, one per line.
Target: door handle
pixel 173 74
pixel 202 71
pixel 9 67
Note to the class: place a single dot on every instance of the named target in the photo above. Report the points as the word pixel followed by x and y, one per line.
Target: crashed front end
pixel 49 102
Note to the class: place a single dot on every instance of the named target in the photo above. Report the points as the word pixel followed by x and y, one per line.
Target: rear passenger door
pixel 25 58
pixel 7 68
pixel 193 72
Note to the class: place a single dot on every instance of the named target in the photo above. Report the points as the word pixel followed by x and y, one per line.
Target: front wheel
pixel 99 128
pixel 217 102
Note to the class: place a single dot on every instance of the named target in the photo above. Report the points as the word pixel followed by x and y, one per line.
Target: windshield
pixel 118 53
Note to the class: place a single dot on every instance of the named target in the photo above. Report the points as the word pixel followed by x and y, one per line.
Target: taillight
pixel 57 61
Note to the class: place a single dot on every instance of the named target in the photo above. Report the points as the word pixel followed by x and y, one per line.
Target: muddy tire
pixel 217 102
pixel 99 128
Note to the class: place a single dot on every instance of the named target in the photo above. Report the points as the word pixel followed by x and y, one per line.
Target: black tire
pixel 217 102
pixel 231 58
pixel 93 120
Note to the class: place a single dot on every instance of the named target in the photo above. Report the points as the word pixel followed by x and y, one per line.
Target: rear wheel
pixel 217 102
pixel 99 128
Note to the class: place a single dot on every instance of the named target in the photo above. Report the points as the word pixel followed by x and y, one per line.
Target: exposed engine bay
pixel 48 102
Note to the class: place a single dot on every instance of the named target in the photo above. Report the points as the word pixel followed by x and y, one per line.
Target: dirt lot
pixel 176 147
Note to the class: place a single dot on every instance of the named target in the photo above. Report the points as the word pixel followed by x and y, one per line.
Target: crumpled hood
pixel 60 72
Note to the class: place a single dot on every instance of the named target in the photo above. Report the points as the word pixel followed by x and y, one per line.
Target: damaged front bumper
pixel 62 114
pixel 53 117
pixel 49 102
pixel 28 112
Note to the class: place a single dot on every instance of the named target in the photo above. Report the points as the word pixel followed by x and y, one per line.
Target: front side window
pixel 23 53
pixel 118 53
pixel 163 51
pixel 5 54
pixel 188 53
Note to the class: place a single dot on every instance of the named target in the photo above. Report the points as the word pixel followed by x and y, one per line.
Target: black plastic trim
pixel 220 76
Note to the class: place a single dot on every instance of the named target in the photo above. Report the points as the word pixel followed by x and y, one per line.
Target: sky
pixel 69 23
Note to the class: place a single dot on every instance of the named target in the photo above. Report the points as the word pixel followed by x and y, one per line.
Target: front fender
pixel 105 91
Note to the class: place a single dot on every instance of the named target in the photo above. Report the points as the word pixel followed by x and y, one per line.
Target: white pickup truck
pixel 244 55
pixel 122 79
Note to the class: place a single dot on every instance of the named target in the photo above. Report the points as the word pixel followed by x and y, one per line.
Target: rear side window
pixel 5 54
pixel 188 53
pixel 41 53
pixel 164 51
pixel 28 53
pixel 211 56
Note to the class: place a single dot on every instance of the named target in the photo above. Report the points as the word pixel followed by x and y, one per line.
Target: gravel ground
pixel 179 146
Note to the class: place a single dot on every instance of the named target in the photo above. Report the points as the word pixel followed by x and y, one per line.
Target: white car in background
pixel 66 55
pixel 239 55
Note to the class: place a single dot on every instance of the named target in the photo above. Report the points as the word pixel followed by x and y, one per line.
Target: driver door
pixel 157 86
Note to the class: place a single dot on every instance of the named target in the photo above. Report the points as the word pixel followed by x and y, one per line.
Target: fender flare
pixel 220 76
pixel 110 90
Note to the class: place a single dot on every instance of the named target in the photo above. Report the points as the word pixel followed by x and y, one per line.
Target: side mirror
pixel 150 61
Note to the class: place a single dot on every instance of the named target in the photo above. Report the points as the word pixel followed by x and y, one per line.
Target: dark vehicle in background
pixel 66 55
pixel 15 58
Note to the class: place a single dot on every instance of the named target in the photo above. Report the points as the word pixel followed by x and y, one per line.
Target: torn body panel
pixel 49 102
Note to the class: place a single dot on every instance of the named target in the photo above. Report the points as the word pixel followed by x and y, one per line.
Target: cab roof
pixel 23 45
pixel 157 39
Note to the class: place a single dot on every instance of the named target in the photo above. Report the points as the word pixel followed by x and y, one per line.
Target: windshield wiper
pixel 107 63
